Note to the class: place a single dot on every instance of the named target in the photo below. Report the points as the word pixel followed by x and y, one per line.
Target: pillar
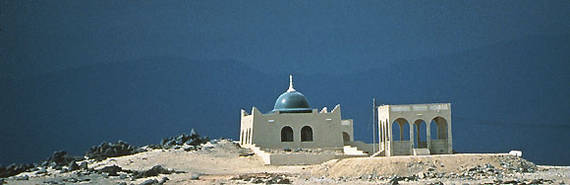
pixel 390 137
pixel 418 133
pixel 411 137
pixel 428 134
pixel 449 137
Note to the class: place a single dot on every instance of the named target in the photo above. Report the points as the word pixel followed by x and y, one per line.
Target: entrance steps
pixel 421 151
pixel 265 156
pixel 354 151
pixel 379 153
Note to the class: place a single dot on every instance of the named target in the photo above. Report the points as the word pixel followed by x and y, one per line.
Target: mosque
pixel 293 126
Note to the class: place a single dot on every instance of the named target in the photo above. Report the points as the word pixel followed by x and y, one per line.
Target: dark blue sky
pixel 68 66
pixel 282 36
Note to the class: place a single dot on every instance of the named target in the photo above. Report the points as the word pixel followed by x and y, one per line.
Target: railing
pixel 438 146
pixel 419 107
pixel 401 148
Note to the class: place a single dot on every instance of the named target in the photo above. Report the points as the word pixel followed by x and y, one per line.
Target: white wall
pixel 326 126
pixel 300 158
pixel 365 147
pixel 387 114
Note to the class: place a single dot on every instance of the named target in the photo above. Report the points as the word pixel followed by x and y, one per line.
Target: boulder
pixel 55 181
pixel 41 171
pixel 71 180
pixel 163 180
pixel 23 177
pixel 73 166
pixel 149 182
pixel 194 176
pixel 193 139
pixel 83 165
pixel 154 171
pixel 112 170
pixel 516 153
pixel 58 160
pixel 14 169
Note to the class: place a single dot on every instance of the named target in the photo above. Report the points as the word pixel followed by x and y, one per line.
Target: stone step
pixel 351 150
pixel 421 151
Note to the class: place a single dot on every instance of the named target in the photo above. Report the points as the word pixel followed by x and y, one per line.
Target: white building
pixel 294 124
pixel 413 121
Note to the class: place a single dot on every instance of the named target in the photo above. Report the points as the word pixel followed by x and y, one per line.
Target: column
pixel 411 138
pixel 428 134
pixel 418 133
pixel 449 137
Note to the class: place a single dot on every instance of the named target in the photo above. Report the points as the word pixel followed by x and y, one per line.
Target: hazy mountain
pixel 504 96
pixel 138 101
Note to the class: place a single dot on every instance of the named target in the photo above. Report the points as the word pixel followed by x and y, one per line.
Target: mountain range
pixel 505 96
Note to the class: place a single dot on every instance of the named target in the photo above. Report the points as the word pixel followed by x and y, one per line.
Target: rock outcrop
pixel 105 150
pixel 14 169
pixel 192 141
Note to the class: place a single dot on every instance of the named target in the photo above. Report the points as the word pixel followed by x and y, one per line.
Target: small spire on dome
pixel 290 84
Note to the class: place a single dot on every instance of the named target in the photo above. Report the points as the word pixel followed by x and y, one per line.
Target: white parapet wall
pixel 300 158
pixel 421 151
pixel 297 158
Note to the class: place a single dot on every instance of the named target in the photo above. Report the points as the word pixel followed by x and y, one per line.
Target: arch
pixel 306 133
pixel 286 134
pixel 400 130
pixel 345 138
pixel 420 134
pixel 438 127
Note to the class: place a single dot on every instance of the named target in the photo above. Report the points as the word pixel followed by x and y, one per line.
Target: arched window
pixel 345 138
pixel 400 130
pixel 286 134
pixel 306 133
pixel 438 127
pixel 420 132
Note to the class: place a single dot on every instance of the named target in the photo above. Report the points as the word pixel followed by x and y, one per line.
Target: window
pixel 286 134
pixel 345 137
pixel 306 133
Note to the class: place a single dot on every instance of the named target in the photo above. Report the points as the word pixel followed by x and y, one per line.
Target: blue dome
pixel 292 102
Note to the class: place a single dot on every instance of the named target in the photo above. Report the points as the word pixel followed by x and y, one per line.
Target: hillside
pixel 225 162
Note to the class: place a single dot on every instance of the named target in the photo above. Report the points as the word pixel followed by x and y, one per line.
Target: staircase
pixel 351 150
pixel 266 157
pixel 379 153
pixel 420 151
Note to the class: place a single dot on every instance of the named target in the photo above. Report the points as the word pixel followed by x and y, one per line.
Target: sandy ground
pixel 453 163
pixel 221 164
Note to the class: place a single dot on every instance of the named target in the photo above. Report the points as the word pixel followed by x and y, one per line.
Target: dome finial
pixel 290 84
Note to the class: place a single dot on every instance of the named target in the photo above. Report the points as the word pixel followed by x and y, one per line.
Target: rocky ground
pixel 189 159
